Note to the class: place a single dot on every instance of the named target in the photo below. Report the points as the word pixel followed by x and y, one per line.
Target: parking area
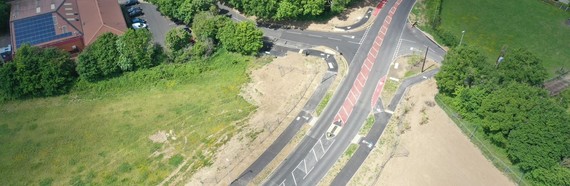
pixel 157 24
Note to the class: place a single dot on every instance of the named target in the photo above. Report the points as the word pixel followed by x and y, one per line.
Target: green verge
pixel 367 125
pixel 99 133
pixel 491 24
pixel 323 103
pixel 496 155
pixel 350 150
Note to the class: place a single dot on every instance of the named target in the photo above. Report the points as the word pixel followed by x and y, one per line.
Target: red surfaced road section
pixel 377 91
pixel 379 6
pixel 356 89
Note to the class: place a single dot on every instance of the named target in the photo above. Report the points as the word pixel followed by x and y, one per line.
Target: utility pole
pixel 425 58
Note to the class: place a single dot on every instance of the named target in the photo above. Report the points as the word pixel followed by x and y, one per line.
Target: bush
pixel 447 38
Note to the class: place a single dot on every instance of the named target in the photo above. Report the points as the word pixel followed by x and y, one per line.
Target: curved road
pixel 370 53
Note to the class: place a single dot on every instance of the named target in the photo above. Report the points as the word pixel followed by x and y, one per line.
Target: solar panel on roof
pixel 35 30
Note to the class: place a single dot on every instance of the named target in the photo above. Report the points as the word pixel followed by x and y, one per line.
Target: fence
pixel 471 130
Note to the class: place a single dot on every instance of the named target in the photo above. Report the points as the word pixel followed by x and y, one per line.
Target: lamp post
pixel 462 34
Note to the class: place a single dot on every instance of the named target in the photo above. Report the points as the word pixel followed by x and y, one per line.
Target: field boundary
pixel 470 130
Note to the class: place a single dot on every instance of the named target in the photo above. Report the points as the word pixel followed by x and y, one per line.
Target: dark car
pixel 138 20
pixel 133 9
pixel 136 12
pixel 131 2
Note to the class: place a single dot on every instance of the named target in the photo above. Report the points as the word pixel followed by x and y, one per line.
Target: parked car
pixel 139 25
pixel 138 20
pixel 136 12
pixel 131 9
pixel 131 2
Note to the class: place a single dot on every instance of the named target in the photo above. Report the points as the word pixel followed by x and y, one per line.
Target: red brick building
pixel 67 24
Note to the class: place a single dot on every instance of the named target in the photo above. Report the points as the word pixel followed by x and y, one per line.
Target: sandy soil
pixel 433 153
pixel 350 17
pixel 279 89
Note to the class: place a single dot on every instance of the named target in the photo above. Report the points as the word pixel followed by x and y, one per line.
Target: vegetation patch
pixel 492 25
pixel 99 132
pixel 323 103
pixel 367 125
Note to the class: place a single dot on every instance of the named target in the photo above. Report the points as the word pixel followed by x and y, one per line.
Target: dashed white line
pixel 332 38
pixel 322 146
pixel 315 154
pixel 294 32
pixel 313 35
pixel 354 42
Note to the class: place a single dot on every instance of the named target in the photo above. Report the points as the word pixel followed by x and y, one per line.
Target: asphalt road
pixel 360 22
pixel 316 154
pixel 381 120
pixel 302 118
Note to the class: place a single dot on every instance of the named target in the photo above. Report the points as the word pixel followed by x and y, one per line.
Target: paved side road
pixel 158 25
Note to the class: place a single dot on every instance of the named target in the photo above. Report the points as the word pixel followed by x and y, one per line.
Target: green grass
pixel 530 24
pixel 323 103
pixel 350 150
pixel 99 133
pixel 367 126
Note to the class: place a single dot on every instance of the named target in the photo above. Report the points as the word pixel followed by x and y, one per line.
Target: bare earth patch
pixel 426 148
pixel 350 17
pixel 279 90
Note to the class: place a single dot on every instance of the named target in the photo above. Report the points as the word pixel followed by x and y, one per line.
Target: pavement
pixel 302 118
pixel 369 53
pixel 158 25
pixel 360 22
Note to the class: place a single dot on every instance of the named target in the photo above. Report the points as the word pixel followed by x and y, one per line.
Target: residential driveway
pixel 157 24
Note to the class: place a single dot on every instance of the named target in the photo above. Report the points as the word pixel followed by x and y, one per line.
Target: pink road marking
pixel 360 75
pixel 366 65
pixel 378 90
pixel 352 97
pixel 365 73
pixel 384 29
pixel 360 82
pixel 388 19
pixel 343 115
pixel 379 6
pixel 371 64
pixel 392 10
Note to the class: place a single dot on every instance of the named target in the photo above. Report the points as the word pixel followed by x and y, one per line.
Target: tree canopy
pixel 136 50
pixel 288 9
pixel 177 39
pixel 464 67
pixel 99 60
pixel 183 10
pixel 37 72
pixel 522 66
pixel 243 37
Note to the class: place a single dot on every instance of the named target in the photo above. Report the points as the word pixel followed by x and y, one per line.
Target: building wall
pixel 67 44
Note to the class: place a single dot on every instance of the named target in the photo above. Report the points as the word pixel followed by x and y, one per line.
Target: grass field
pixel 99 133
pixel 531 24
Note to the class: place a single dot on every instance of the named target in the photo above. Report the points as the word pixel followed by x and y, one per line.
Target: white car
pixel 139 25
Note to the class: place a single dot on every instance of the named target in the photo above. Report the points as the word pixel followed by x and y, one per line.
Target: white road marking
pixel 349 36
pixel 394 79
pixel 313 35
pixel 294 180
pixel 301 51
pixel 294 32
pixel 315 154
pixel 331 65
pixel 389 111
pixel 298 118
pixel 332 38
pixel 305 162
pixel 354 42
pixel 322 146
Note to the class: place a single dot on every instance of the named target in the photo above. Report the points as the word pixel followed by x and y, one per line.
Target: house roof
pixel 100 16
pixel 41 21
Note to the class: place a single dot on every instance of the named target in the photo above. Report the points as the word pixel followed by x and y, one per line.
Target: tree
pixel 462 67
pixel 522 66
pixel 542 139
pixel 313 7
pixel 203 48
pixel 243 37
pixel 99 60
pixel 506 108
pixel 136 50
pixel 177 39
pixel 189 8
pixel 554 176
pixel 38 72
pixel 287 10
pixel 206 25
pixel 4 16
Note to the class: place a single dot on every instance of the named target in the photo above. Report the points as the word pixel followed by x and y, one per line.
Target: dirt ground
pixel 279 90
pixel 350 17
pixel 428 149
